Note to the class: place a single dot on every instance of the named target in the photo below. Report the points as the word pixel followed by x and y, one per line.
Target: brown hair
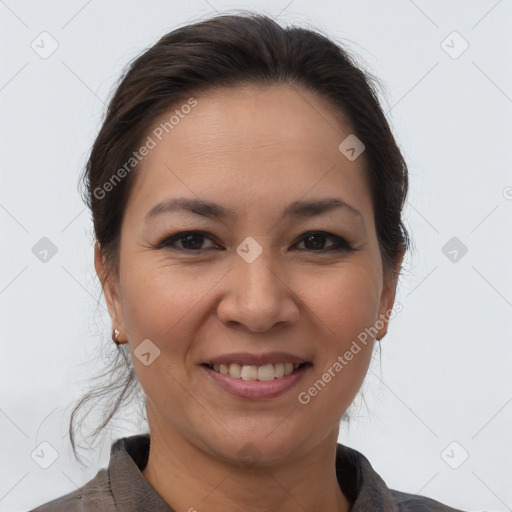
pixel 228 51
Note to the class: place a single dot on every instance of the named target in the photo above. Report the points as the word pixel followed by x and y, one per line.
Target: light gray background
pixel 446 372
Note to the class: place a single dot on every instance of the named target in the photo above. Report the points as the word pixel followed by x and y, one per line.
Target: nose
pixel 257 297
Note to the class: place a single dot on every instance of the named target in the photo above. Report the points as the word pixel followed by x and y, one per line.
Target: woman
pixel 246 194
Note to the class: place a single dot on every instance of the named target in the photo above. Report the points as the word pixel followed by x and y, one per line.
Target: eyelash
pixel 168 242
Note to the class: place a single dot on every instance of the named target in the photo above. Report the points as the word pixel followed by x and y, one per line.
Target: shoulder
pixel 95 495
pixel 413 503
pixel 369 492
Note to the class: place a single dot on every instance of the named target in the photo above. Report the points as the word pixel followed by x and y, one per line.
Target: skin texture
pixel 254 150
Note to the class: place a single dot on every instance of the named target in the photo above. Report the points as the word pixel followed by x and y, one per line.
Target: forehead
pixel 276 117
pixel 256 145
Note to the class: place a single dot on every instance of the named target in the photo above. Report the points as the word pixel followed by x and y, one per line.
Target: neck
pixel 190 479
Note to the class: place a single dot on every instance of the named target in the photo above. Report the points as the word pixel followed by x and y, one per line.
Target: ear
pixel 110 288
pixel 387 298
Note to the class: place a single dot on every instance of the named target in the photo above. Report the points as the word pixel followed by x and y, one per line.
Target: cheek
pixel 346 308
pixel 161 300
pixel 345 301
pixel 163 305
pixel 340 372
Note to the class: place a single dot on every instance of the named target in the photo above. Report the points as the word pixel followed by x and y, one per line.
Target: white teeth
pixel 252 372
pixel 235 371
pixel 249 372
pixel 279 370
pixel 266 372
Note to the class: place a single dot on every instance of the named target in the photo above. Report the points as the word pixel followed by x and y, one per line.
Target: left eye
pixel 192 242
pixel 309 239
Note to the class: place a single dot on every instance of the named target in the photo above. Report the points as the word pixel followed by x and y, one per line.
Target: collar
pixel 363 487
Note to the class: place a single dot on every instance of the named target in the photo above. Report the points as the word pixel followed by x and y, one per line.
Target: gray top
pixel 122 488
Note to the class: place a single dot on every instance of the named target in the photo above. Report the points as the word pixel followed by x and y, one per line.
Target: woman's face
pixel 251 284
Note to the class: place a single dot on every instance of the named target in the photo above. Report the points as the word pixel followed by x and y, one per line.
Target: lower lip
pixel 255 389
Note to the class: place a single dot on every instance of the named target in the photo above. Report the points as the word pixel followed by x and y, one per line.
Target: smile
pixel 251 372
pixel 256 382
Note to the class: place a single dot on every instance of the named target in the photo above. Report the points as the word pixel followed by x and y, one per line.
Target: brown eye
pixel 315 242
pixel 191 241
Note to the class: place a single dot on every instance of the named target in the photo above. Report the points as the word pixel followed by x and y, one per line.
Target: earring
pixel 115 336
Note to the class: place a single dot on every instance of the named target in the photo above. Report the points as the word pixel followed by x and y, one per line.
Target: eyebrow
pixel 217 211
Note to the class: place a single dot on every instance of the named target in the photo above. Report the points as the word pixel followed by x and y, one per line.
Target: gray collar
pixel 362 486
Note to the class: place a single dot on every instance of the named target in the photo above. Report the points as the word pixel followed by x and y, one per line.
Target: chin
pixel 260 449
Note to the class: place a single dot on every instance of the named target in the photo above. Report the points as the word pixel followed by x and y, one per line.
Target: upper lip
pixel 245 358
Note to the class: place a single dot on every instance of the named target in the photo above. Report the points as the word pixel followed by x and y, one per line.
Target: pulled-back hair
pixel 229 51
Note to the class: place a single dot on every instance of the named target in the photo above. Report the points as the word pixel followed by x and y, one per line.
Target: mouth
pixel 262 373
pixel 255 376
pixel 256 382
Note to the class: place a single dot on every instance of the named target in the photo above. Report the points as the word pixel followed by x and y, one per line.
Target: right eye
pixel 191 241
